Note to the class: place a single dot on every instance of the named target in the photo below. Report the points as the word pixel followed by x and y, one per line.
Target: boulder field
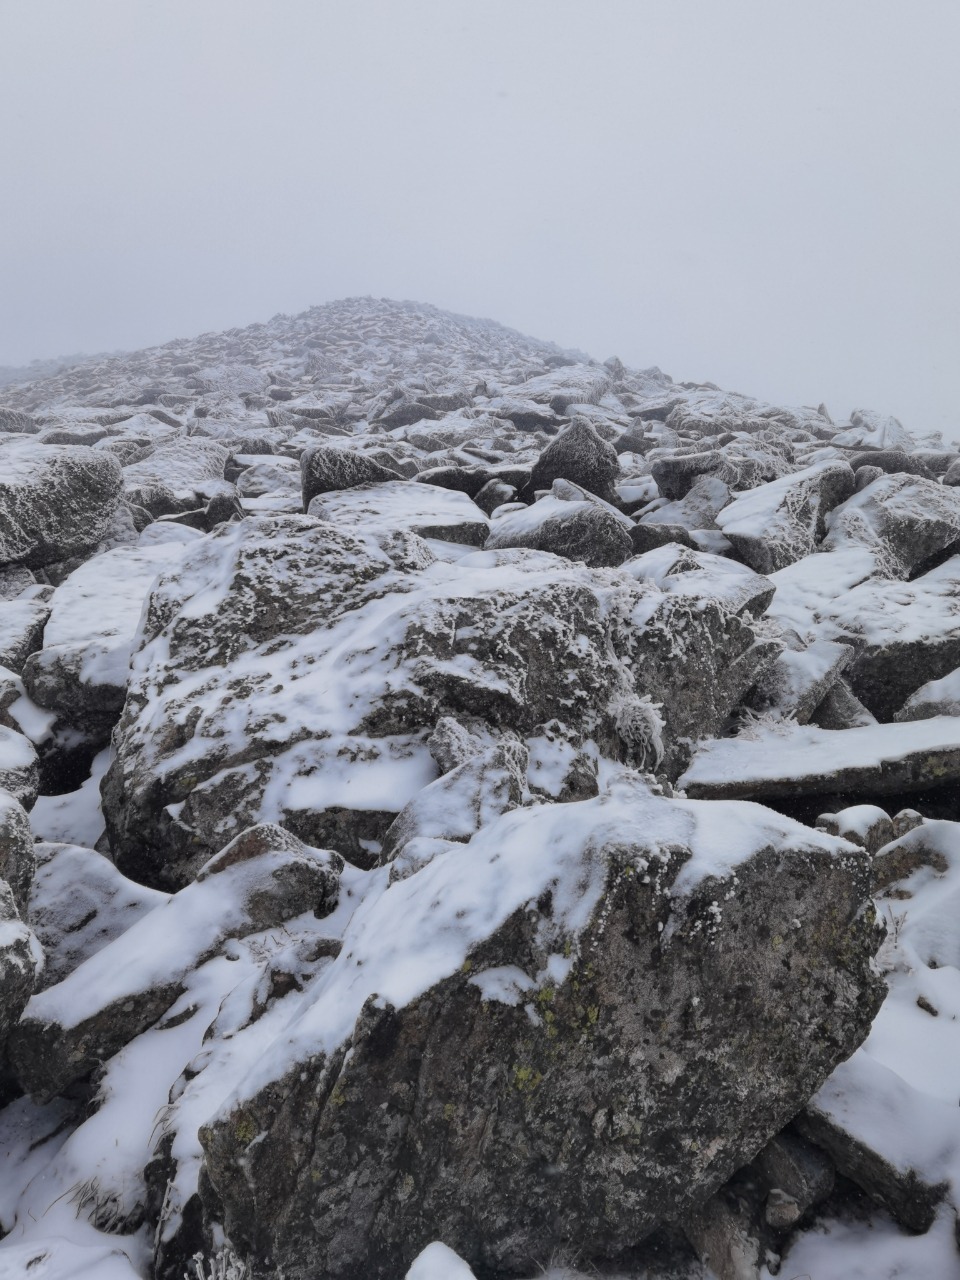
pixel 467 809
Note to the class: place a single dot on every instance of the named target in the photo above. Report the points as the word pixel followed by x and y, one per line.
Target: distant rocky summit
pixel 468 809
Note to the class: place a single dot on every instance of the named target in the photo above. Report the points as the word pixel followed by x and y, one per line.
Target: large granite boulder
pixel 288 670
pixel 906 519
pixel 81 670
pixel 777 523
pixel 616 976
pixel 574 526
pixel 55 501
pixel 263 878
pixel 327 469
pixel 580 455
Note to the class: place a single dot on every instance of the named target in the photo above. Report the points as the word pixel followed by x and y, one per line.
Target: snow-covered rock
pixel 454 721
pixel 289 671
pixel 261 879
pixel 325 469
pixel 584 530
pixel 17 857
pixel 55 502
pixel 783 521
pixel 589 962
pixel 579 455
pixel 783 760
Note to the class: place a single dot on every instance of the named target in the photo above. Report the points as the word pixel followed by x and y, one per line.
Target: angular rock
pixel 14 420
pixel 263 878
pixel 276 475
pixel 54 502
pixel 403 413
pixel 676 475
pixel 790 1164
pixel 19 767
pixel 17 857
pixel 15 579
pixel 891 462
pixel 919 845
pixel 289 663
pixel 452 744
pixel 577 530
pixel 619 1034
pixel 699 507
pixel 699 575
pixel 494 494
pixel 772 526
pixel 327 469
pixel 905 634
pixel 878 759
pixel 849 1118
pixel 78 904
pixel 468 480
pixel 468 797
pixel 841 709
pixel 864 824
pixel 798 681
pixel 20 958
pixel 907 519
pixel 21 631
pixel 176 471
pixel 875 431
pixel 864 476
pixel 725 1238
pixel 400 507
pixel 935 698
pixel 81 671
pixel 580 455
pixel 650 536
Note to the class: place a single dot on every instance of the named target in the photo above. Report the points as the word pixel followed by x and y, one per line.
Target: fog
pixel 757 193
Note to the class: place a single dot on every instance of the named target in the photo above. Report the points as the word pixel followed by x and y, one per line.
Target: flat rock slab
pixel 404 507
pixel 877 759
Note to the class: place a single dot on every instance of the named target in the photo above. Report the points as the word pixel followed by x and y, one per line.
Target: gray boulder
pixel 864 824
pixel 892 462
pixel 19 767
pixel 796 684
pixel 312 675
pixel 778 523
pixel 78 904
pixel 838 1119
pixel 676 475
pixel 620 1046
pixel 580 455
pixel 20 959
pixel 55 502
pixel 18 422
pixel 578 529
pixel 398 507
pixel 175 474
pixel 864 476
pixel 699 507
pixel 494 494
pixel 935 698
pixel 907 519
pixel 17 857
pixel 327 469
pixel 21 631
pixel 465 799
pixel 261 879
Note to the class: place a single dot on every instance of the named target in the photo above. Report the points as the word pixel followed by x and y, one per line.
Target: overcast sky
pixel 760 193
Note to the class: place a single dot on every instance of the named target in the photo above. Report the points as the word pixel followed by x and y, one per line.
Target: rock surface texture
pixel 468 809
